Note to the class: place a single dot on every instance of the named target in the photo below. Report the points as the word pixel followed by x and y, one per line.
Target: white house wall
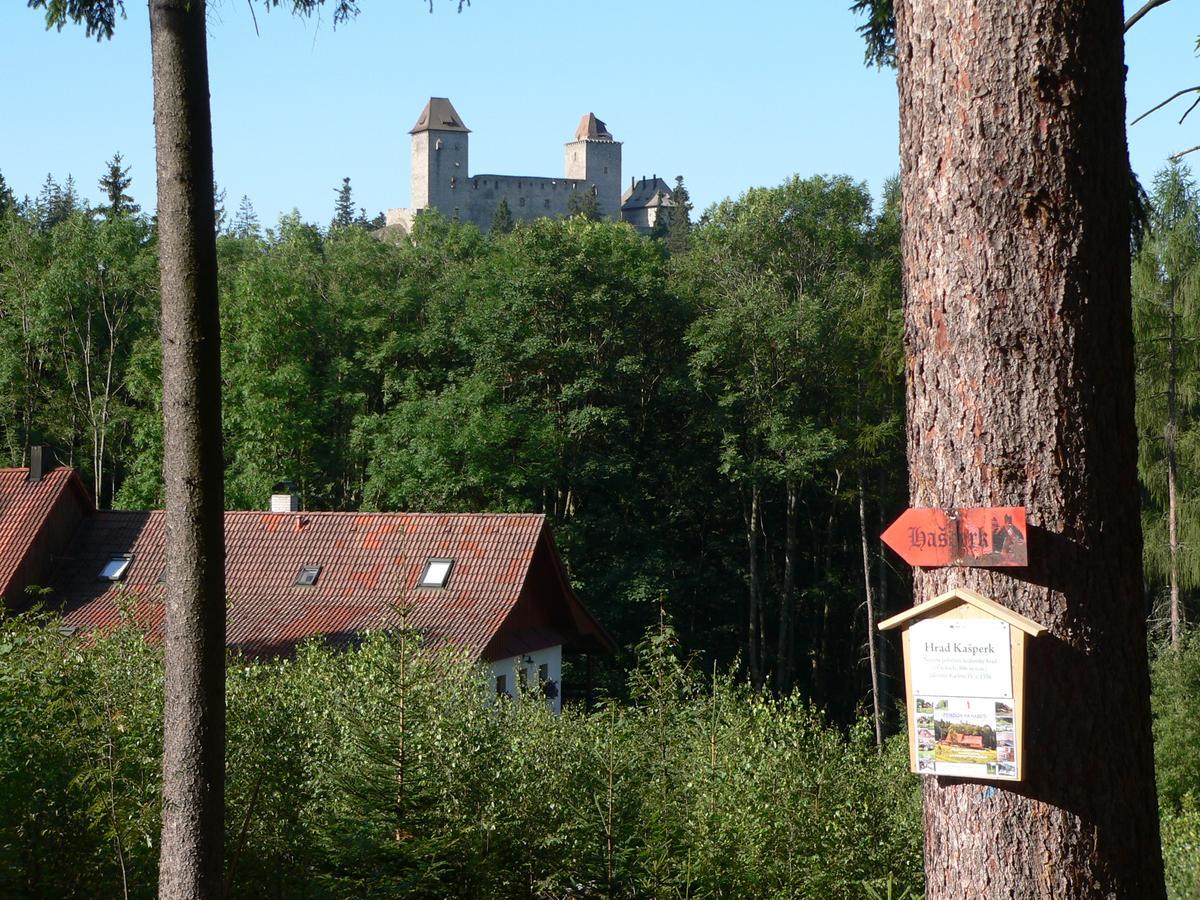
pixel 551 657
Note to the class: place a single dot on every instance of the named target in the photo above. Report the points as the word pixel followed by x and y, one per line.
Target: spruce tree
pixel 659 230
pixel 343 208
pixel 55 202
pixel 245 220
pixel 502 219
pixel 114 183
pixel 584 203
pixel 1166 318
pixel 219 214
pixel 679 231
pixel 7 201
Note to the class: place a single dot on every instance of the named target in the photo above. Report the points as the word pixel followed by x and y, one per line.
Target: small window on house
pixel 501 685
pixel 606 170
pixel 308 576
pixel 546 203
pixel 116 567
pixel 543 673
pixel 521 202
pixel 456 214
pixel 453 182
pixel 437 573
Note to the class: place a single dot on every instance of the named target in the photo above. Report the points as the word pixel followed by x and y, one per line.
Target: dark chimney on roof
pixel 41 461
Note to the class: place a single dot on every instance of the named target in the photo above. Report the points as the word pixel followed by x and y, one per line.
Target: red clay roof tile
pixel 24 510
pixel 370 566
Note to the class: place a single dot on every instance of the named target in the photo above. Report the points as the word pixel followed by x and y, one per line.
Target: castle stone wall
pixel 441 179
pixel 529 197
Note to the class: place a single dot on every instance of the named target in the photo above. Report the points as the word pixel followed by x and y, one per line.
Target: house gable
pixel 37 520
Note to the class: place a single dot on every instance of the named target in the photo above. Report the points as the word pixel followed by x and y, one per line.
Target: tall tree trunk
pixel 871 657
pixel 786 643
pixel 1172 466
pixel 753 638
pixel 194 715
pixel 1015 179
pixel 881 598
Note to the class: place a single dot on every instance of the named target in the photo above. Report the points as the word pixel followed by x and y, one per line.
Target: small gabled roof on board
pixel 974 598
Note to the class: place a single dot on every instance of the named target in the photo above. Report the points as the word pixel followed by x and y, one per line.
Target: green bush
pixel 385 771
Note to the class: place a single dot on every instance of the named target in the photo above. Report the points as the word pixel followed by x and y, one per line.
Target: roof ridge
pixel 394 512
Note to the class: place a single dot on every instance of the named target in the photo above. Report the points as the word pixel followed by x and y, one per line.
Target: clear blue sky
pixel 727 94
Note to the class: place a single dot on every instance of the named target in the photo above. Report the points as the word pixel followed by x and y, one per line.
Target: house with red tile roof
pixel 490 584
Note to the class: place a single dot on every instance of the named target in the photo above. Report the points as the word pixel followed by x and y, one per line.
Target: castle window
pixel 521 202
pixel 456 214
pixel 453 182
pixel 547 203
pixel 606 170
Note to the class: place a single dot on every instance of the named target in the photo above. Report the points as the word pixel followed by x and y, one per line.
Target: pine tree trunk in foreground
pixel 194 717
pixel 1020 379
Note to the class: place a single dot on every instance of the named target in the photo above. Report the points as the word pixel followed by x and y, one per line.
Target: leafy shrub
pixel 386 771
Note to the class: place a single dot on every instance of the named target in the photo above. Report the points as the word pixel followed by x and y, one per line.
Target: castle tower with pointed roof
pixel 441 179
pixel 594 157
pixel 439 155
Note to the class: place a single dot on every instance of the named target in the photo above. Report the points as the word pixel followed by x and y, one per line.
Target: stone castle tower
pixel 594 158
pixel 441 178
pixel 439 156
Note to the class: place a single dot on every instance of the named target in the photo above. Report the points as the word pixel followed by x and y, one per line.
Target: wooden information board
pixel 964 681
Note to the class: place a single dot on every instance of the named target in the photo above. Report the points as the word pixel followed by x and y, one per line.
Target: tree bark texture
pixel 194 728
pixel 1020 392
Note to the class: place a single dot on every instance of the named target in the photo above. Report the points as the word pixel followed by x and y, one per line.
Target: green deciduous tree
pixel 777 271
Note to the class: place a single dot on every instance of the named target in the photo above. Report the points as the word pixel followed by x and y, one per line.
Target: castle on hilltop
pixel 441 179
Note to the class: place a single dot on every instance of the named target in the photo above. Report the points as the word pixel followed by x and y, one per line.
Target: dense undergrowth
pixel 387 772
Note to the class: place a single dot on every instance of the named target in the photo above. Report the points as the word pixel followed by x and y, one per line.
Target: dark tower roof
pixel 592 129
pixel 439 115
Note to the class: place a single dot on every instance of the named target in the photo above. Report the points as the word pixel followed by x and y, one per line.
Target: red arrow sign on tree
pixel 976 536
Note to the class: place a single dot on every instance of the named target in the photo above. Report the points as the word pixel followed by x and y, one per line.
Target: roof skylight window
pixel 437 573
pixel 308 576
pixel 116 567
